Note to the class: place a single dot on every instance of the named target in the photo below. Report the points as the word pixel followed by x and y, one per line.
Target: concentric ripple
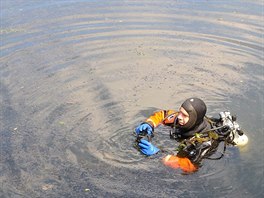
pixel 76 77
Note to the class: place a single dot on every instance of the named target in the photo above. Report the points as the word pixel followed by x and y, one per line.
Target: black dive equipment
pixel 142 135
pixel 204 144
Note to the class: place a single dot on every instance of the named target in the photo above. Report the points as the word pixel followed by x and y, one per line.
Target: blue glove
pixel 144 127
pixel 147 148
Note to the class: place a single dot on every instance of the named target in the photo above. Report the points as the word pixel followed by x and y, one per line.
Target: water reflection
pixel 76 77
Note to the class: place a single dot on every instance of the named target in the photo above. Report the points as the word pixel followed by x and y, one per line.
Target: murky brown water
pixel 78 76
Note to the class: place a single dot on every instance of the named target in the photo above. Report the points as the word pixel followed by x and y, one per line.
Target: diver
pixel 199 136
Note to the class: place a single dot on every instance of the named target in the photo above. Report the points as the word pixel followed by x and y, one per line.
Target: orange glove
pixel 176 162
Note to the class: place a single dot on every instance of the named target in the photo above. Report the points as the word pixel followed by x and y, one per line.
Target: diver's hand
pixel 147 148
pixel 144 127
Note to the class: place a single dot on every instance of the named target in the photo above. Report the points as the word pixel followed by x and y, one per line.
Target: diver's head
pixel 191 113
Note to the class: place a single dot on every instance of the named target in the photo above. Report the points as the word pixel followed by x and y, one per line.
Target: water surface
pixel 77 76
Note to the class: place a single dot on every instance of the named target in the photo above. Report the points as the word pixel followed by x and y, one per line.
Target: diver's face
pixel 183 117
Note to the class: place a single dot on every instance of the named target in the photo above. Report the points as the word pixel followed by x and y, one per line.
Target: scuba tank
pixel 236 135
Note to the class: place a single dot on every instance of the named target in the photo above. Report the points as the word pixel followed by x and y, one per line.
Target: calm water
pixel 76 77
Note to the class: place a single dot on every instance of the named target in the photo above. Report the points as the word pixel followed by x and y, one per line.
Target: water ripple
pixel 81 75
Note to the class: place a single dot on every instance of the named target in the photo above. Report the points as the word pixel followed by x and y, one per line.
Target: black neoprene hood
pixel 196 109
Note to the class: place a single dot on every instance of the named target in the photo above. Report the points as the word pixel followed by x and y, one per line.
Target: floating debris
pixel 47 187
pixel 61 123
pixel 10 30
